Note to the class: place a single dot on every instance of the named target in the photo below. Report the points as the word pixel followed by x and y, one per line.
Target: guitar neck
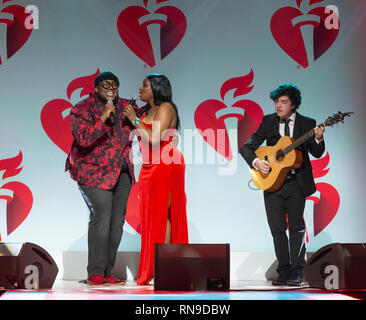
pixel 298 142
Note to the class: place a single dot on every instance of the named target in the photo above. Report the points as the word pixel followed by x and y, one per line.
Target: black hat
pixel 105 76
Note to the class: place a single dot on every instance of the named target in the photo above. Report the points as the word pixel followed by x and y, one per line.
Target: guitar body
pixel 280 164
pixel 285 156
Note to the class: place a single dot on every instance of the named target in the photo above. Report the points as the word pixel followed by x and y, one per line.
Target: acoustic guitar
pixel 284 156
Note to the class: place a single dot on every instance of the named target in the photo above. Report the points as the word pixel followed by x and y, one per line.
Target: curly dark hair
pixel 290 90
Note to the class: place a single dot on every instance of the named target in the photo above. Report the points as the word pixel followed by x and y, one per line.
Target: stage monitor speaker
pixel 338 266
pixel 190 267
pixel 26 266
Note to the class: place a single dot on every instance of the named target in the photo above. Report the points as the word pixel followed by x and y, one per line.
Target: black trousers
pixel 287 201
pixel 107 217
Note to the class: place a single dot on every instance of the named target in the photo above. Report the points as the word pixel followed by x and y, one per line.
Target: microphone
pixel 131 102
pixel 111 115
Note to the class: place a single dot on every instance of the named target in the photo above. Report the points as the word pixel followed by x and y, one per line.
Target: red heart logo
pixel 209 126
pixel 19 206
pixel 287 32
pixel 56 127
pixel 132 27
pixel 325 207
pixel 21 201
pixel 54 124
pixel 17 33
pixel 210 116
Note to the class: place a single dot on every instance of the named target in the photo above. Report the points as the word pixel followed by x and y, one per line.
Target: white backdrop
pixel 208 43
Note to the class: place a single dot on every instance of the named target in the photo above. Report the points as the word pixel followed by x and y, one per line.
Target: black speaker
pixel 189 267
pixel 338 266
pixel 26 266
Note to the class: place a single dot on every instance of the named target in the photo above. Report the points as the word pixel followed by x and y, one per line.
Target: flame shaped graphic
pixel 85 83
pixel 319 166
pixel 242 85
pixel 11 166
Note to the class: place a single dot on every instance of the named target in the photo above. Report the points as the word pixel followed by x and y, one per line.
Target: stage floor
pixel 239 290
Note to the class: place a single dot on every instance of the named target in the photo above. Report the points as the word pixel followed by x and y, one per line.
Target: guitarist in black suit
pixel 299 183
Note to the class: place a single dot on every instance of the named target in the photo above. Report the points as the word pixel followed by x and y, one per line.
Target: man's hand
pixel 108 109
pixel 319 132
pixel 263 167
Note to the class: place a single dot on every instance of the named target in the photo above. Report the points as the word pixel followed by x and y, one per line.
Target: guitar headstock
pixel 336 118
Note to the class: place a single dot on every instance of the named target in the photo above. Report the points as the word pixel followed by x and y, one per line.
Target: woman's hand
pixel 129 112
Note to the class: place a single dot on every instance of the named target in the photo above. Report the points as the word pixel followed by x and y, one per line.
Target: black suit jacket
pixel 268 131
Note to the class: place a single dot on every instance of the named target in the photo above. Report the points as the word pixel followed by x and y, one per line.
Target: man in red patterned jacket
pixel 100 163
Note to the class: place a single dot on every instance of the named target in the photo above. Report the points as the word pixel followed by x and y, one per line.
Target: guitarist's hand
pixel 319 130
pixel 263 167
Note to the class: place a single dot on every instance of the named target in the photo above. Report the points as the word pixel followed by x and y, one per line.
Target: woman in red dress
pixel 162 195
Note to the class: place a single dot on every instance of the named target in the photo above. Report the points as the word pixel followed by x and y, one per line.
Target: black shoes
pixel 295 279
pixel 282 279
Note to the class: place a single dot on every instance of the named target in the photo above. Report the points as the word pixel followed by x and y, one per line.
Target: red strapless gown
pixel 161 177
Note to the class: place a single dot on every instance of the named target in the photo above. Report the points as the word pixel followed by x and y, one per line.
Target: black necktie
pixel 287 128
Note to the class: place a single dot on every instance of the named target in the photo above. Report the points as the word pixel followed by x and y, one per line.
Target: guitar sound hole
pixel 280 155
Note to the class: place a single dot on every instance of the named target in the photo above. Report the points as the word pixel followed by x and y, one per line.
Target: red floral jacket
pixel 98 153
